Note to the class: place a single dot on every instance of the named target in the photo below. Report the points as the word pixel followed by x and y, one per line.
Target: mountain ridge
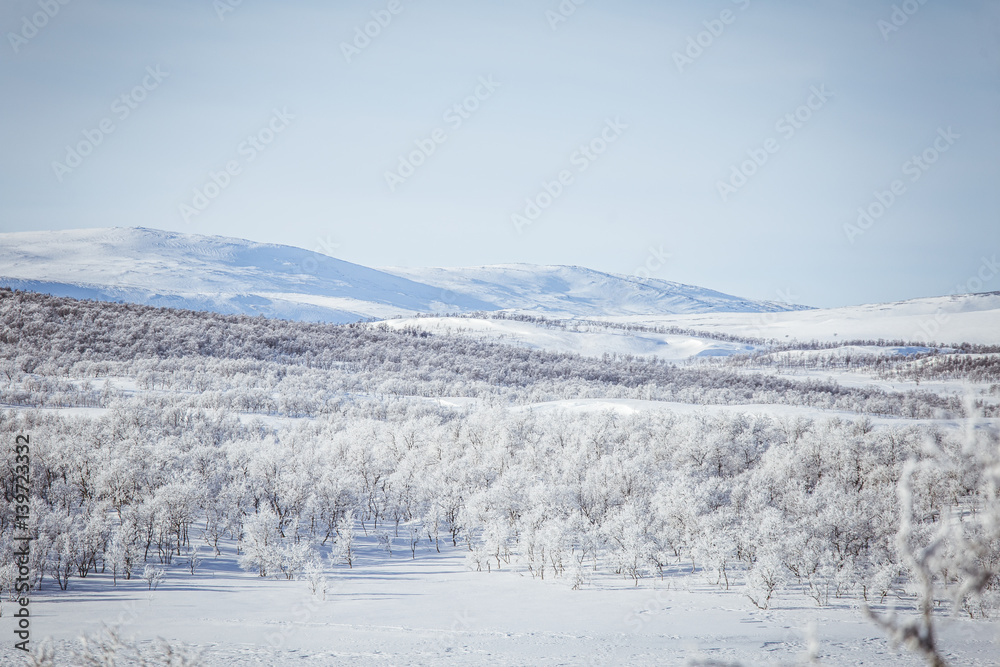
pixel 230 275
pixel 506 285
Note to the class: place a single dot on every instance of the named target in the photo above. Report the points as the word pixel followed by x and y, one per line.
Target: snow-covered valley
pixel 675 483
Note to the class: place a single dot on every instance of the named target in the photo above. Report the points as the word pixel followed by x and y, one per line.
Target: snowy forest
pixel 159 435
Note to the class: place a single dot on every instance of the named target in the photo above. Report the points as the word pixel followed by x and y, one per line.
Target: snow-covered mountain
pixel 213 273
pixel 572 291
pixel 231 275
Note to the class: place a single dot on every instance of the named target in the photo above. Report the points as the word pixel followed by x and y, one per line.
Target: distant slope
pixel 961 318
pixel 572 291
pixel 947 321
pixel 230 275
pixel 211 273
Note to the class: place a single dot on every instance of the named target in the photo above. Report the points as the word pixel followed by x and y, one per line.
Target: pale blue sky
pixel 321 181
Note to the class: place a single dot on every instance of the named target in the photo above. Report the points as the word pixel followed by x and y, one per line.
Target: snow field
pixel 435 610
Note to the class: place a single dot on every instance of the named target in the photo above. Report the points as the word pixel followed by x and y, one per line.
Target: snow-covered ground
pixel 435 610
pixel 972 318
pixel 966 318
pixel 628 406
pixel 856 378
pixel 579 339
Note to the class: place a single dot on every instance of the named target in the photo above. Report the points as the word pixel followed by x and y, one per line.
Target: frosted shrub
pixel 153 575
pixel 261 543
pixel 314 574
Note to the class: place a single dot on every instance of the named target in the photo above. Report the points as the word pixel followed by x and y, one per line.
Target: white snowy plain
pixel 962 318
pixel 432 610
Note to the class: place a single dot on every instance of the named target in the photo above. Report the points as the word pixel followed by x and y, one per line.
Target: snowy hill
pixel 572 291
pixel 213 273
pixel 230 275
